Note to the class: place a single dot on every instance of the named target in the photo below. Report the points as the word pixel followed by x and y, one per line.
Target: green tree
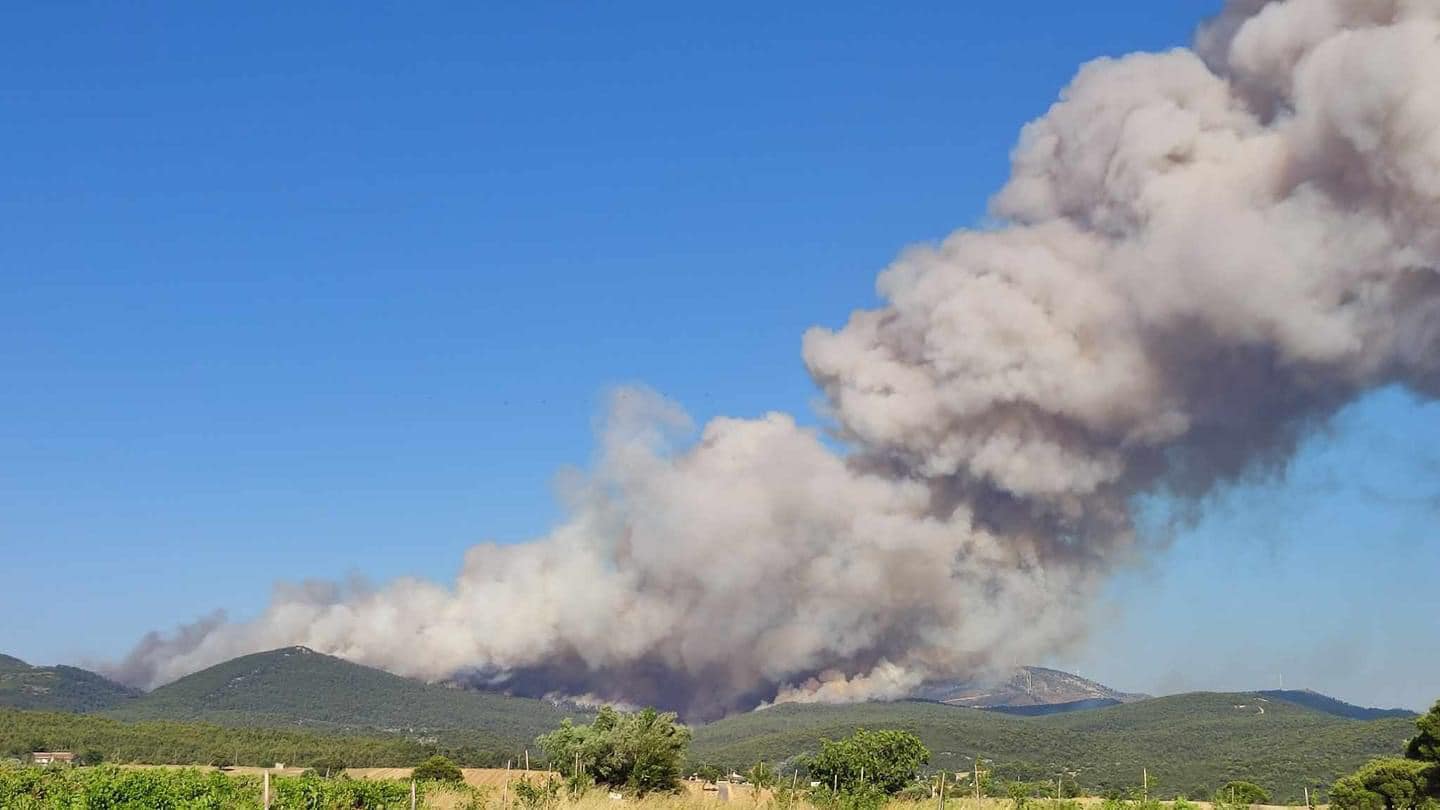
pixel 708 772
pixel 1240 793
pixel 641 752
pixel 438 769
pixel 1020 794
pixel 1425 746
pixel 1389 784
pixel 329 766
pixel 887 760
pixel 761 775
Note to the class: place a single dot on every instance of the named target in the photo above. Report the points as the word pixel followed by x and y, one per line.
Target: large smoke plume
pixel 1201 255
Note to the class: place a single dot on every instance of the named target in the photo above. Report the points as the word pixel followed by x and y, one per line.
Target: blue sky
pixel 293 292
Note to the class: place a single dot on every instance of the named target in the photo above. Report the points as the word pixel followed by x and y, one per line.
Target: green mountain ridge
pixel 298 687
pixel 1311 699
pixel 58 688
pixel 1189 744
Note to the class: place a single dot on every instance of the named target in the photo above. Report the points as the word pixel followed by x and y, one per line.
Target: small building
pixel 52 757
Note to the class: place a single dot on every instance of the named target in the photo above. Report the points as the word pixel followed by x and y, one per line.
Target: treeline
pixel 167 743
pixel 1190 745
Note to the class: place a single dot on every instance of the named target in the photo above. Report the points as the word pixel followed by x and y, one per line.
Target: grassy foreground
pixel 160 788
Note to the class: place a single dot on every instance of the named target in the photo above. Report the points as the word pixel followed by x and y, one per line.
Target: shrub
pixel 328 766
pixel 536 795
pixel 1243 794
pixel 437 769
pixel 858 797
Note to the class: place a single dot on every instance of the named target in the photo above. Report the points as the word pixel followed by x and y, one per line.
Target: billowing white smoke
pixel 1203 254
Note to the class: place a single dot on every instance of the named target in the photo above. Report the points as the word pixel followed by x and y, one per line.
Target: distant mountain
pixel 1324 703
pixel 62 688
pixel 1029 691
pixel 1190 744
pixel 298 687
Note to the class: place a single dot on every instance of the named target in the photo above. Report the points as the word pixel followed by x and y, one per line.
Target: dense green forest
pixel 163 742
pixel 1190 744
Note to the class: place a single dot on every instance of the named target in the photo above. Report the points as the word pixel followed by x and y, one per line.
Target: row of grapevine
pixel 114 788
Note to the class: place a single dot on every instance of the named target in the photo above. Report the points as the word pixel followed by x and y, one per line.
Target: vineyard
pixel 114 788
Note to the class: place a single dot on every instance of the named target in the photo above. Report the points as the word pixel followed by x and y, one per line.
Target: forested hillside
pixel 60 688
pixel 296 687
pixel 1190 744
pixel 198 743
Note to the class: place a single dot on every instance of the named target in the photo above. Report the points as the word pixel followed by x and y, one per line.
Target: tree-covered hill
pixel 297 687
pixel 61 688
pixel 1190 744
pixel 1329 705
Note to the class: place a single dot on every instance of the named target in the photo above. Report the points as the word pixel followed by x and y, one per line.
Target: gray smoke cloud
pixel 1201 255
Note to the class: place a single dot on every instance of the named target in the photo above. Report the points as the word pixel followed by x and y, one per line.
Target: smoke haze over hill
pixel 1199 257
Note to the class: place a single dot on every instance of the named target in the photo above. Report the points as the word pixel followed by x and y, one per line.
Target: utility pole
pixel 1145 784
pixel 942 790
pixel 266 795
pixel 1307 795
pixel 977 779
pixel 412 794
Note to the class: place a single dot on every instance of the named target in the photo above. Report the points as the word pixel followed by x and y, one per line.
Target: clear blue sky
pixel 294 292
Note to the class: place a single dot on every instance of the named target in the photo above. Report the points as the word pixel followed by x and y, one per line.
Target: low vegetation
pixel 438 769
pixel 162 789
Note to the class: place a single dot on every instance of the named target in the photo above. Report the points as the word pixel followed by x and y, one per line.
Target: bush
pixel 328 766
pixel 858 797
pixel 437 769
pixel 536 795
pixel 1242 794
